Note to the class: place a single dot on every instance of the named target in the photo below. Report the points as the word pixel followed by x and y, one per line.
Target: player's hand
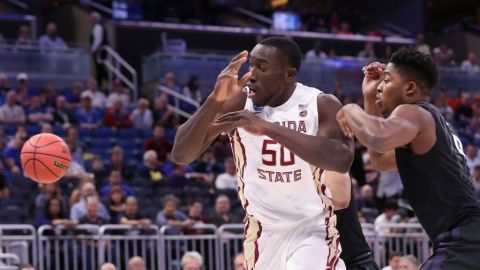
pixel 244 119
pixel 227 84
pixel 373 76
pixel 342 121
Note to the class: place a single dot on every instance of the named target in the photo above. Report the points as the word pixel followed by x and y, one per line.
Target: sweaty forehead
pixel 392 70
pixel 264 53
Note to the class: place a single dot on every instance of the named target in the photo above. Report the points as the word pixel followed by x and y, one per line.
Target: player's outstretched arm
pixel 197 133
pixel 340 186
pixel 383 135
pixel 329 149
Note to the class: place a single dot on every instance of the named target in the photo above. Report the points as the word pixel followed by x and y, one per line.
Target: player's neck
pixel 285 95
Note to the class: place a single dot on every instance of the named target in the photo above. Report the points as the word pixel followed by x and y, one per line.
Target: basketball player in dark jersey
pixel 402 129
pixel 356 253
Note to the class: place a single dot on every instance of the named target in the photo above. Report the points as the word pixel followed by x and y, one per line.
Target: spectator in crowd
pixel 159 144
pixel 75 145
pixel 441 103
pixel 10 112
pixel 92 214
pixel 228 179
pixel 118 163
pixel 204 170
pixel 4 190
pixel 108 266
pixel 136 263
pixel 98 38
pixel 316 54
pixel 48 93
pixel 393 261
pixel 119 92
pixel 151 168
pixel 98 98
pixel 11 154
pixel 49 191
pixel 345 29
pixel 192 91
pixel 366 203
pixel 88 116
pixel 470 65
pixel 74 97
pixel 192 260
pixel 75 170
pixel 4 88
pixel 476 179
pixel 54 214
pixel 76 193
pixel 24 41
pixel 176 178
pixel 116 204
pixel 117 116
pixel 338 91
pixel 163 115
pixel 195 213
pixel 115 179
pixel 408 262
pixel 239 262
pixel 26 267
pixel 38 114
pixel 24 90
pixel 368 52
pixel 142 117
pixel 463 113
pixel 170 82
pixel 421 45
pixel 450 61
pixel 79 209
pixel 471 154
pixel 389 185
pixel 62 115
pixel 176 220
pixel 131 216
pixel 222 213
pixel 99 170
pixel 50 41
pixel 389 216
pixel 46 128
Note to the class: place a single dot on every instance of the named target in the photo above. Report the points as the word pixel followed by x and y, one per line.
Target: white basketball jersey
pixel 277 187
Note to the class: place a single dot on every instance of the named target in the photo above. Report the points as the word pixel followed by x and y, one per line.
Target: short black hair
pixel 417 66
pixel 286 47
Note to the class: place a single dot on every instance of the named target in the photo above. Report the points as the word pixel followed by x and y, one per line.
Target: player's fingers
pixel 241 54
pixel 227 116
pixel 243 81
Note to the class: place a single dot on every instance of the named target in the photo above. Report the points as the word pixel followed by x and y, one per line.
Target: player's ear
pixel 291 73
pixel 412 88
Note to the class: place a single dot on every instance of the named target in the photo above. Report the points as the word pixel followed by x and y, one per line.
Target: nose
pixel 253 77
pixel 380 87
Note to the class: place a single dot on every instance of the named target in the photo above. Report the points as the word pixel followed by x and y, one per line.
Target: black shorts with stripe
pixel 457 249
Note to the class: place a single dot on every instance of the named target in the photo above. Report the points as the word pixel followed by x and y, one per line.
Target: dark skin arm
pixel 329 149
pixel 408 125
pixel 198 133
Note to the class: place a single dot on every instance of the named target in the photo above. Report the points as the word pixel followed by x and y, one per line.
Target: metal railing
pixel 129 241
pixel 178 97
pixel 20 240
pixel 8 261
pixel 116 66
pixel 204 242
pixel 86 246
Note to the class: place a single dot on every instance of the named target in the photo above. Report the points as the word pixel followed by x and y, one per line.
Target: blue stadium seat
pixel 104 132
pixel 9 130
pixel 59 131
pixel 33 129
pixel 13 215
pixel 128 133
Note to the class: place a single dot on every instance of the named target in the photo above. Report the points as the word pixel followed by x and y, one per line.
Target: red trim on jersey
pixel 245 237
pixel 257 252
pixel 244 154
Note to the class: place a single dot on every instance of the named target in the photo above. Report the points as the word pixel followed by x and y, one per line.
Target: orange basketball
pixel 45 158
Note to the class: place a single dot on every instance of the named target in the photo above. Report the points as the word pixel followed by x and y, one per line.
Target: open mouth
pixel 251 91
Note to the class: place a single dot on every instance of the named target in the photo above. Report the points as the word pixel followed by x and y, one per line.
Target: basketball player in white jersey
pixel 290 156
